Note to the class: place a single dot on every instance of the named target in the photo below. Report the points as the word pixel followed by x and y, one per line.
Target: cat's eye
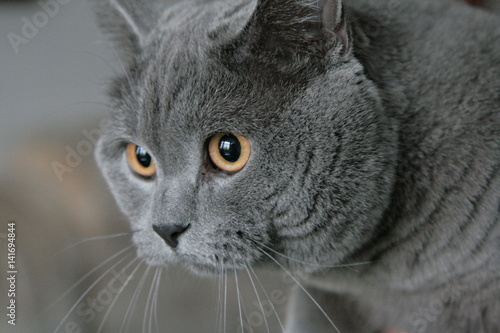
pixel 229 152
pixel 140 161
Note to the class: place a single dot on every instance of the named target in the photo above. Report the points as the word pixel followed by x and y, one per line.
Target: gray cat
pixel 310 134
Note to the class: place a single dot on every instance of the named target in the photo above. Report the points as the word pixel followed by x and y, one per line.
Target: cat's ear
pixel 128 22
pixel 296 30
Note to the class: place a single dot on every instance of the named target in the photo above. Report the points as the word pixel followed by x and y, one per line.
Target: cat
pixel 314 135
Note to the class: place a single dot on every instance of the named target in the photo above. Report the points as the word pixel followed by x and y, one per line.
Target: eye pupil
pixel 140 161
pixel 143 157
pixel 228 152
pixel 230 148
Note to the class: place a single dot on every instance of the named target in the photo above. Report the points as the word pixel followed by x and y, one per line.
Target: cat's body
pixel 375 138
pixel 436 267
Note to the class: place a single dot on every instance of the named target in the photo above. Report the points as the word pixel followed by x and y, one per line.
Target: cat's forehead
pixel 182 88
pixel 173 64
pixel 183 50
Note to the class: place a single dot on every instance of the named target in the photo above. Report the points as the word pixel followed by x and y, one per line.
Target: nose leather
pixel 170 233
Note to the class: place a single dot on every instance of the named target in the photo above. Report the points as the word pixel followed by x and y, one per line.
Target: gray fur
pixel 375 138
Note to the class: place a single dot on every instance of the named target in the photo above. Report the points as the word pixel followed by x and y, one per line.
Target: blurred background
pixel 75 268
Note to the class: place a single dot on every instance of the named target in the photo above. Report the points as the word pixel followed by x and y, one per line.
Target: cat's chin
pixel 208 270
pixel 204 270
pixel 157 262
pixel 200 269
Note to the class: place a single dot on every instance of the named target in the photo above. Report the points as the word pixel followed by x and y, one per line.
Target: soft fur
pixel 374 128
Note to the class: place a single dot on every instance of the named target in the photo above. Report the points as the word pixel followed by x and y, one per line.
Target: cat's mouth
pixel 208 270
pixel 217 264
pixel 203 258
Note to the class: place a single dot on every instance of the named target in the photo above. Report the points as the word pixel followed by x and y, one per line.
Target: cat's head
pixel 243 128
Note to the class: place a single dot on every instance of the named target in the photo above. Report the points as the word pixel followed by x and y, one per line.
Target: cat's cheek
pixel 131 193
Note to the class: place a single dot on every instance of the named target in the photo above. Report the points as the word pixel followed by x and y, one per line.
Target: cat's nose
pixel 170 233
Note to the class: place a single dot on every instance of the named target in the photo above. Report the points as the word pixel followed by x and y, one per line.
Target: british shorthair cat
pixel 314 135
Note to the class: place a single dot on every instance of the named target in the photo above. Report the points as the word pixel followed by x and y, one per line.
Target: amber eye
pixel 140 161
pixel 229 152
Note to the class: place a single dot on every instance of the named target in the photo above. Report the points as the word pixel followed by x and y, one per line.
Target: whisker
pixel 258 298
pixel 86 240
pixel 88 290
pixel 125 72
pixel 151 312
pixel 218 311
pixel 119 293
pixel 113 69
pixel 225 299
pixel 83 278
pixel 239 300
pixel 144 321
pixel 304 289
pixel 157 291
pixel 244 308
pixel 149 304
pixel 268 298
pixel 303 262
pixel 133 301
